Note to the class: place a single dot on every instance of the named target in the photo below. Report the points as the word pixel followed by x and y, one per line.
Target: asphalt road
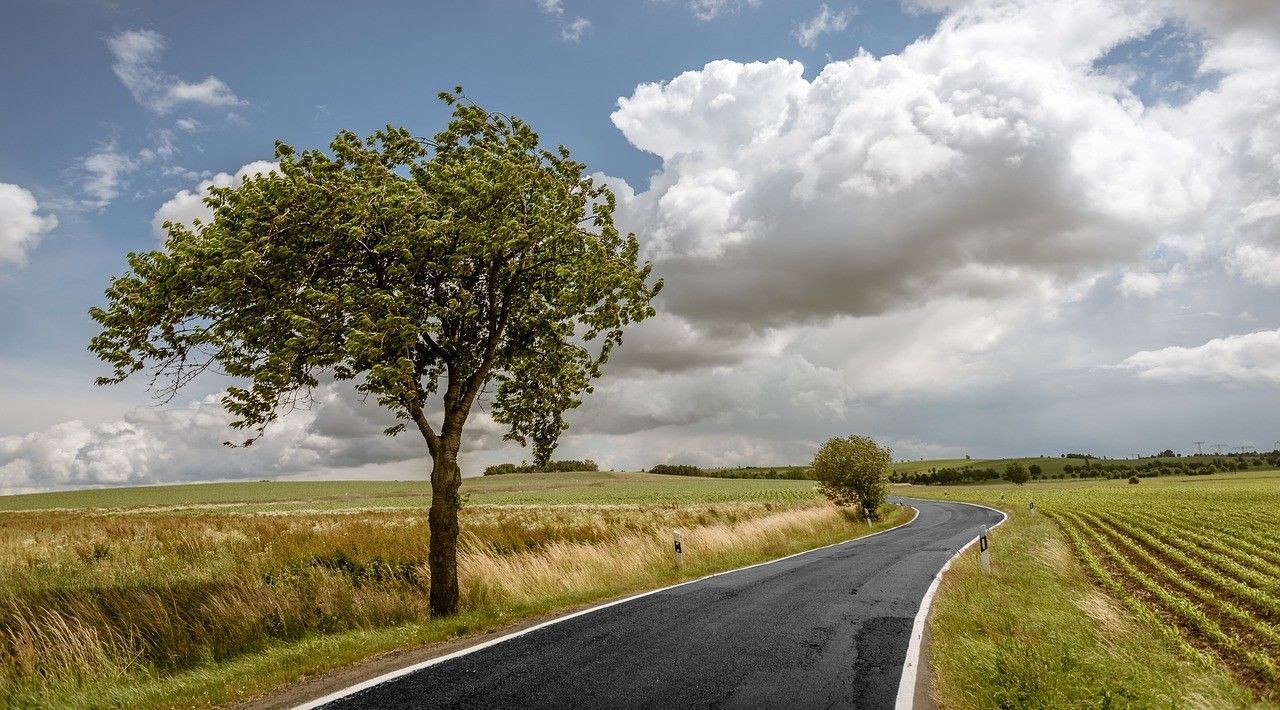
pixel 826 629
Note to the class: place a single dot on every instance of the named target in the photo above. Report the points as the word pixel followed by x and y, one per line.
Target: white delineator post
pixel 679 552
pixel 986 556
pixel 1031 505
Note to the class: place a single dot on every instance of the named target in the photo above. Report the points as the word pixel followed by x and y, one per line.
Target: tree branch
pixel 424 426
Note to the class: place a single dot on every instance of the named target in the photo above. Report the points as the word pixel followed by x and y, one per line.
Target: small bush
pixel 1134 479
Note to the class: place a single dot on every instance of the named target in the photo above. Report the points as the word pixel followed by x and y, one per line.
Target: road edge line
pixel 407 670
pixel 910 667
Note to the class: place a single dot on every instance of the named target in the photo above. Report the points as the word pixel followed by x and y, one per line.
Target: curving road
pixel 828 628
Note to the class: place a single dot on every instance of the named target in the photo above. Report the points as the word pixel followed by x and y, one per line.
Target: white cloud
pixel 824 21
pixel 1146 284
pixel 188 205
pixel 884 183
pixel 571 30
pixel 706 10
pixel 20 225
pixel 177 444
pixel 574 30
pixel 1256 264
pixel 136 55
pixel 1252 358
pixel 888 244
pixel 107 169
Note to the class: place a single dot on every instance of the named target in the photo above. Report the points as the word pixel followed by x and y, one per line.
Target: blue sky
pixel 306 70
pixel 980 226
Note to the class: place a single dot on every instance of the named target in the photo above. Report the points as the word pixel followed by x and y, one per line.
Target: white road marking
pixel 907 686
pixel 517 634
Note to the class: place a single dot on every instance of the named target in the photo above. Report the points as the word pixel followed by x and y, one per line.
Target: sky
pixel 969 227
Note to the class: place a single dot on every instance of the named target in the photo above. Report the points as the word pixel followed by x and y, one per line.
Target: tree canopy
pixel 1016 472
pixel 429 272
pixel 854 471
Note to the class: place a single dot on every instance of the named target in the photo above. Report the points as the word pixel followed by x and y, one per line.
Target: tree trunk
pixel 446 478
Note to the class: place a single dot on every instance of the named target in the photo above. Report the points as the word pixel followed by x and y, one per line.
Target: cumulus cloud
pixel 884 183
pixel 136 57
pixel 890 244
pixel 823 22
pixel 20 225
pixel 1252 358
pixel 188 205
pixel 167 445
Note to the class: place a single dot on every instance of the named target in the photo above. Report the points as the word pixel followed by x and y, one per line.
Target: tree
pixel 425 270
pixel 1015 472
pixel 1035 470
pixel 854 471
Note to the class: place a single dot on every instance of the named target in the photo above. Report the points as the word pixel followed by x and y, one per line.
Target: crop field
pixel 182 596
pixel 1195 559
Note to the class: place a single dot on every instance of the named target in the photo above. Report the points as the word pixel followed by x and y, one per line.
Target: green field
pixel 199 595
pixel 1164 593
pixel 927 464
pixel 588 488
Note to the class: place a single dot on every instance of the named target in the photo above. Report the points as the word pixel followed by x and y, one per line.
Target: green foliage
pixel 425 271
pixel 1016 472
pixel 410 266
pixel 1133 479
pixel 854 471
pixel 676 469
pixel 567 465
pixel 769 473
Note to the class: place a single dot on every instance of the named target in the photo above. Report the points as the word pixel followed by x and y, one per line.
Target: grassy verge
pixel 583 554
pixel 1038 634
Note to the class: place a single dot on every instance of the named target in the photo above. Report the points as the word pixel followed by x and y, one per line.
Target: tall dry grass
pixel 88 597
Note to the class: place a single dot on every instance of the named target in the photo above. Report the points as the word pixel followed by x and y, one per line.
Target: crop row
pixel 1205 600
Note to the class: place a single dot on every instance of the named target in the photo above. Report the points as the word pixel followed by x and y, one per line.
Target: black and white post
pixel 1031 505
pixel 679 552
pixel 982 549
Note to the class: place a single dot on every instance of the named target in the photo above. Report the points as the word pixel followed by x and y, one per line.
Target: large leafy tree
pixel 854 471
pixel 432 272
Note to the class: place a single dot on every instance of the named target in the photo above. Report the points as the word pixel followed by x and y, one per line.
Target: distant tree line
pixel 1162 465
pixel 801 473
pixel 564 466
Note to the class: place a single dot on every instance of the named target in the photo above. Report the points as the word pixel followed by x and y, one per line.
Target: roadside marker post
pixel 986 556
pixel 679 552
pixel 1031 505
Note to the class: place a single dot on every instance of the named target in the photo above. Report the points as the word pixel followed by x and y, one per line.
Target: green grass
pixel 184 596
pixel 917 466
pixel 1094 603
